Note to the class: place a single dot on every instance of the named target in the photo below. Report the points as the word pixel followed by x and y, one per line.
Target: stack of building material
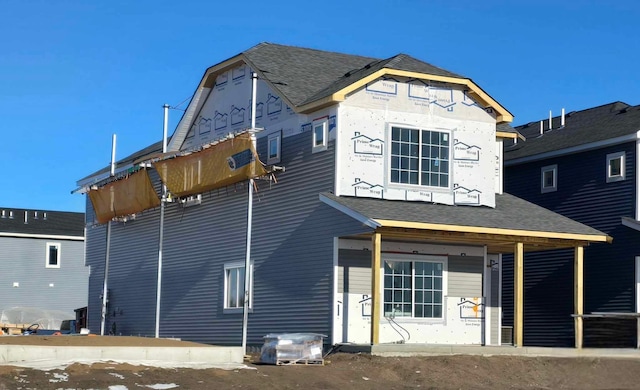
pixel 292 348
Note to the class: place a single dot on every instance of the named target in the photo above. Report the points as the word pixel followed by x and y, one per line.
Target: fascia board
pixel 43 236
pixel 487 230
pixel 502 114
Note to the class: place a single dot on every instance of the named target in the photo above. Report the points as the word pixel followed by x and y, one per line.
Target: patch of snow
pixel 120 376
pixel 64 377
pixel 118 387
pixel 161 386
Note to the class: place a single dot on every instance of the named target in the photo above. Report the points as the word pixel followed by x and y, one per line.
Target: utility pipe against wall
pixel 247 262
pixel 105 284
pixel 161 235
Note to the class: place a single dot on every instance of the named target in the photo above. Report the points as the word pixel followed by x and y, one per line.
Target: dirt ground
pixel 341 371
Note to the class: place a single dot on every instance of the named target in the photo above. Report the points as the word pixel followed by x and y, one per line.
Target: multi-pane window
pixel 52 255
pixel 413 289
pixel 234 278
pixel 615 166
pixel 420 157
pixel 549 178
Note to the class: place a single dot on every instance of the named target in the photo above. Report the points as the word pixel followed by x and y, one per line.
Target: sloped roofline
pixel 503 115
pixel 209 78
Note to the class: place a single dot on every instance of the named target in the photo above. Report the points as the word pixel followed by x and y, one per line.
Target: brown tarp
pixel 130 195
pixel 219 165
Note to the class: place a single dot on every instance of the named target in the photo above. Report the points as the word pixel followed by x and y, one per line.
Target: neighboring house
pixel 42 260
pixel 583 165
pixel 366 226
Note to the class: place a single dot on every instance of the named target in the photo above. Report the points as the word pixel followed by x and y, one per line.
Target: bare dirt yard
pixel 341 371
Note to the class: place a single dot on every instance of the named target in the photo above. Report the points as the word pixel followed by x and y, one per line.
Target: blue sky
pixel 74 72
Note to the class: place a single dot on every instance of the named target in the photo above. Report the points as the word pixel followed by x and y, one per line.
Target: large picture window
pixel 413 289
pixel 420 157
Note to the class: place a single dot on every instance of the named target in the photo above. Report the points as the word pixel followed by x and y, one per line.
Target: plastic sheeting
pixel 224 163
pixel 130 195
pixel 47 319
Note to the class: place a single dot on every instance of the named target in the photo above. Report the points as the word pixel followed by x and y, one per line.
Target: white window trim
pixel 406 186
pixel 445 288
pixel 237 264
pixel 324 122
pixel 611 157
pixel 274 137
pixel 47 251
pixel 543 170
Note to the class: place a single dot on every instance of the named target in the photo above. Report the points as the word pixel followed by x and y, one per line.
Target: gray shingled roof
pixel 305 75
pixel 59 223
pixel 581 127
pixel 506 128
pixel 510 213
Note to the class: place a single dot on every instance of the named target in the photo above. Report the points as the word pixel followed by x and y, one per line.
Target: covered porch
pixel 514 226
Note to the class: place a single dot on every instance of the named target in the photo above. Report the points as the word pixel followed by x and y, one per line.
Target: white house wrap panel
pixel 464 159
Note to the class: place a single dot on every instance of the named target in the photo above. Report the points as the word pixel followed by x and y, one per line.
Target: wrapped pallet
pixel 292 348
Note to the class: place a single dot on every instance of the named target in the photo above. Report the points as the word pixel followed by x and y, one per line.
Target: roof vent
pixel 35 215
pixel 4 215
pixel 562 119
pixel 44 216
pixel 10 214
pixel 26 217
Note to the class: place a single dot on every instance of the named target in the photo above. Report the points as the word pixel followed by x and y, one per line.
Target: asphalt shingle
pixel 581 127
pixel 41 222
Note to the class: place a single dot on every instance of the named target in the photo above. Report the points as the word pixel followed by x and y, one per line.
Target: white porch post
pixel 376 243
pixel 578 294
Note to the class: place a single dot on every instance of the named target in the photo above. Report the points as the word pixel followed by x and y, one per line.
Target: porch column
pixel 518 294
pixel 376 241
pixel 578 294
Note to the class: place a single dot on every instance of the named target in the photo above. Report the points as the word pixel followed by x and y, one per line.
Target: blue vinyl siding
pixel 583 195
pixel 292 252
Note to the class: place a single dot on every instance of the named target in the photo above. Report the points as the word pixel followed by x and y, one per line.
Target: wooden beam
pixel 578 293
pixel 518 295
pixel 376 245
pixel 532 243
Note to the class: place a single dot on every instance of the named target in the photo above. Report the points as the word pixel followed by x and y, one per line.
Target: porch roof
pixel 512 220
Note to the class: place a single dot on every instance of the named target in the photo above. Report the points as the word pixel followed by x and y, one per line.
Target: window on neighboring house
pixel 273 147
pixel 320 131
pixel 234 286
pixel 615 167
pixel 549 177
pixel 52 255
pixel 414 289
pixel 420 157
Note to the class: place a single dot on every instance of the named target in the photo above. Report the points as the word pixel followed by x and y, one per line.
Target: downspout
pixel 108 244
pixel 247 262
pixel 161 236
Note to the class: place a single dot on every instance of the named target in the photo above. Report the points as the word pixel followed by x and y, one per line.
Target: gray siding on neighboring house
pixel 465 276
pixel 22 261
pixel 292 252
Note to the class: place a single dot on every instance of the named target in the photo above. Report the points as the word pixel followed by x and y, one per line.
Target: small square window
pixel 320 131
pixel 615 167
pixel 52 255
pixel 549 178
pixel 234 278
pixel 273 147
